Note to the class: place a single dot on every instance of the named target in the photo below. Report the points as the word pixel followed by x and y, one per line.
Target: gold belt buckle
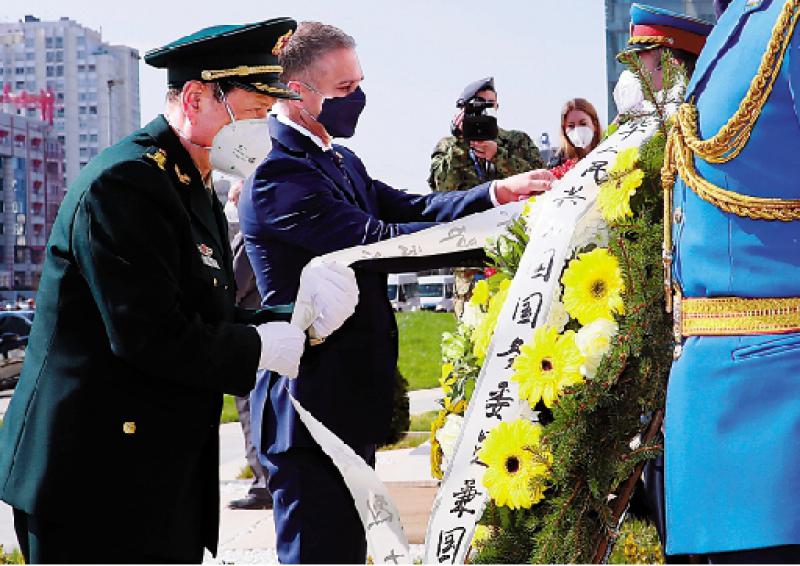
pixel 677 324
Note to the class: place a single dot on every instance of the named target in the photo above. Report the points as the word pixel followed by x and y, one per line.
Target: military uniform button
pixel 216 282
pixel 677 216
pixel 226 287
pixel 129 427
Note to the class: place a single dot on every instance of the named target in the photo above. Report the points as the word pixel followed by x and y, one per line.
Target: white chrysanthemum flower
pixel 557 317
pixel 472 315
pixel 447 436
pixel 454 347
pixel 591 229
pixel 594 342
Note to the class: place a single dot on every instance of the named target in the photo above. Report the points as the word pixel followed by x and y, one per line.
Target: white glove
pixel 281 347
pixel 330 292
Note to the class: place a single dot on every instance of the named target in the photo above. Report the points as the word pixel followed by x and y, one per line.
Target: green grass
pixel 229 412
pixel 420 346
pixel 423 421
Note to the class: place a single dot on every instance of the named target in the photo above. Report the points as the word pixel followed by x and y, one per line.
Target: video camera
pixel 479 123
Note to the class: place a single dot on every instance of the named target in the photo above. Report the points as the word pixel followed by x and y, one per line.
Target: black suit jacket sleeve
pixel 128 248
pixel 297 205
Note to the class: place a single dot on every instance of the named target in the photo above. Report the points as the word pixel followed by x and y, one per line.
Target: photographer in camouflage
pixel 478 151
pixel 458 163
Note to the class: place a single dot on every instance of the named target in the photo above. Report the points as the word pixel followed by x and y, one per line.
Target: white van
pixel 436 292
pixel 403 292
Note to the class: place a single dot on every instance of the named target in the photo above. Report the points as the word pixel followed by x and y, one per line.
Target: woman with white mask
pixel 580 131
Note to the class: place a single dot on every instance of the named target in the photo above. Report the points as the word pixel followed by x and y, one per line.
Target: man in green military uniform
pixel 110 448
pixel 458 164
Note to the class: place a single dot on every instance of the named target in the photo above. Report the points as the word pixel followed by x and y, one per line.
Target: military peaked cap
pixel 653 27
pixel 244 55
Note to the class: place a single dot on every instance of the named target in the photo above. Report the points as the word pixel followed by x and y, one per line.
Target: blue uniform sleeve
pixel 793 66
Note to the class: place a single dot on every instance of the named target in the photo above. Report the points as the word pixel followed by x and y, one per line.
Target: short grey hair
pixel 307 45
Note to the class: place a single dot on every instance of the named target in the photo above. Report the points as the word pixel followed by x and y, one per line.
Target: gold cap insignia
pixel 182 177
pixel 160 157
pixel 129 427
pixel 281 43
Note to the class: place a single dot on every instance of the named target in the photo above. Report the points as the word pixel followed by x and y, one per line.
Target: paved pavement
pixel 424 400
pixel 248 537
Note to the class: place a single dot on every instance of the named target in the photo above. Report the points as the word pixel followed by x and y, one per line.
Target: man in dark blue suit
pixel 310 198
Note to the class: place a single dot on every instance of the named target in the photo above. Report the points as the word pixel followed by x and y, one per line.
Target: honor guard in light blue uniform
pixel 732 257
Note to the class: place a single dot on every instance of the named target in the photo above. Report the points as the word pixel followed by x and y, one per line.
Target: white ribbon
pixel 462 497
pixel 386 541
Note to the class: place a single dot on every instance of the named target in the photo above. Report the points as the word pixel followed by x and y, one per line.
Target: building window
pixel 93 138
pixel 20 70
pixel 93 110
pixel 48 42
pixel 30 56
pixel 60 71
pixel 59 42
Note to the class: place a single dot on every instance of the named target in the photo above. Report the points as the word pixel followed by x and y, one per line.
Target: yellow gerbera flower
pixel 615 195
pixel 447 379
pixel 593 286
pixel 515 458
pixel 482 336
pixel 480 293
pixel 550 362
pixel 626 160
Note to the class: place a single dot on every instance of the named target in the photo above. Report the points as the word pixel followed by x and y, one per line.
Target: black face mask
pixel 340 115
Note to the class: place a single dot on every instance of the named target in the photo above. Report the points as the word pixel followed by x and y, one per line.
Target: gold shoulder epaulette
pixel 160 157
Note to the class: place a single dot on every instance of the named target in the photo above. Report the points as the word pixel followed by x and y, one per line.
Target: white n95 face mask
pixel 581 136
pixel 628 93
pixel 239 147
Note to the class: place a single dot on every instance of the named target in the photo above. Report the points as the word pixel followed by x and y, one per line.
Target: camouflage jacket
pixel 453 169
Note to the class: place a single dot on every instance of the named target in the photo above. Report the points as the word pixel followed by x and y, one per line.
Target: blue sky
pixel 416 55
